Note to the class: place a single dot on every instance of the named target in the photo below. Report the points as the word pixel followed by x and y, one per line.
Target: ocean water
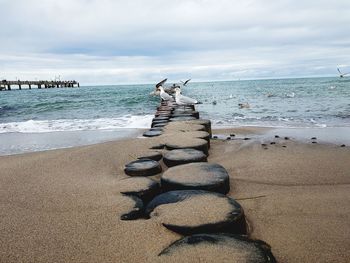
pixel 284 103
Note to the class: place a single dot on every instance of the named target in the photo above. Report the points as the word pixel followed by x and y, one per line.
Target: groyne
pixel 175 184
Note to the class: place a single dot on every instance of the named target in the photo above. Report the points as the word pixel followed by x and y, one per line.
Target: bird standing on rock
pixel 165 96
pixel 183 100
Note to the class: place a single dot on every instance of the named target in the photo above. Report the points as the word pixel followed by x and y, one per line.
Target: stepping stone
pixel 160 125
pixel 196 176
pixel 183 156
pixel 197 134
pixel 159 122
pixel 158 146
pixel 223 248
pixel 181 110
pixel 153 155
pixel 156 129
pixel 141 187
pixel 186 113
pixel 187 134
pixel 160 119
pixel 185 118
pixel 206 123
pixel 165 108
pixel 183 142
pixel 189 212
pixel 183 126
pixel 187 107
pixel 143 167
pixel 163 114
pixel 152 133
pixel 135 207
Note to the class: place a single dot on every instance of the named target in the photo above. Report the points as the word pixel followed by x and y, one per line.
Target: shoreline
pixel 63 205
pixel 20 143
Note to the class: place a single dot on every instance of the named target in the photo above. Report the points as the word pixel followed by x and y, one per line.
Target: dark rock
pixel 196 176
pixel 313 142
pixel 159 122
pixel 194 143
pixel 313 138
pixel 190 212
pixel 180 126
pixel 205 123
pixel 215 137
pixel 161 118
pixel 143 167
pixel 343 145
pixel 156 129
pixel 276 136
pixel 136 211
pixel 228 138
pixel 272 142
pixel 221 248
pixel 185 118
pixel 286 138
pixel 232 135
pixel 153 155
pixel 142 187
pixel 183 156
pixel 188 113
pixel 152 133
pixel 158 146
pixel 246 139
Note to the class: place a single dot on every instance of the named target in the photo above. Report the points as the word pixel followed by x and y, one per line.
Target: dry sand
pixel 64 206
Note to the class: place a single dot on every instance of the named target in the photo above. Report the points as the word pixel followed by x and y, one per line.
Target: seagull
pixel 185 83
pixel 341 74
pixel 183 100
pixel 165 96
pixel 244 105
pixel 156 91
pixel 161 83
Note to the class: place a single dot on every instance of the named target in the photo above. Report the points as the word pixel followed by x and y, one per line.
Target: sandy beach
pixel 64 205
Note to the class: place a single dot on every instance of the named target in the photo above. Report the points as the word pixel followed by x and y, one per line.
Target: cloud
pixel 139 41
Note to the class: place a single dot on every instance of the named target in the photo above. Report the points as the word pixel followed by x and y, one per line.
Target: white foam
pixel 40 126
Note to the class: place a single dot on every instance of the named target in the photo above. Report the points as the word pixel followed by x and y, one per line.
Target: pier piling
pixel 7 85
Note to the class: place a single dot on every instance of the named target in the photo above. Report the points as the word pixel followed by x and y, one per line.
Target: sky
pixel 144 41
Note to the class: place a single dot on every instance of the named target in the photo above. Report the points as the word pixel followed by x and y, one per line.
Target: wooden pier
pixel 46 84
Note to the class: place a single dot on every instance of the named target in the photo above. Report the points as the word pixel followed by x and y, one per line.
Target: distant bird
pixel 165 96
pixel 290 95
pixel 185 83
pixel 183 100
pixel 342 75
pixel 244 105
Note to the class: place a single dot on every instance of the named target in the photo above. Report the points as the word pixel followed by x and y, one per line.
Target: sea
pixel 35 120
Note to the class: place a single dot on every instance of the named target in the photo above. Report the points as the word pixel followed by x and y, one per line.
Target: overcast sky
pixel 143 41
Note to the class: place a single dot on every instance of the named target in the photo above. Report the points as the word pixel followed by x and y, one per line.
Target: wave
pixel 41 126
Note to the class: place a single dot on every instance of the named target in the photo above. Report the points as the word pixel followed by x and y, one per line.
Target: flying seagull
pixel 183 100
pixel 185 83
pixel 161 83
pixel 341 74
pixel 156 92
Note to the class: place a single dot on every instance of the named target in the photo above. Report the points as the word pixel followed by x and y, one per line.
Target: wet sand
pixel 64 205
